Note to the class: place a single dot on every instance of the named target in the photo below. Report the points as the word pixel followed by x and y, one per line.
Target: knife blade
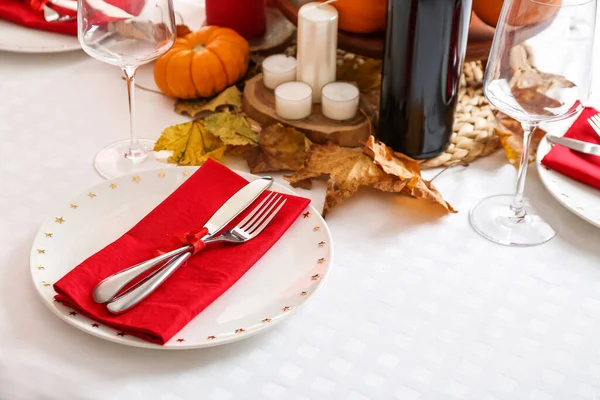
pixel 576 145
pixel 66 4
pixel 108 288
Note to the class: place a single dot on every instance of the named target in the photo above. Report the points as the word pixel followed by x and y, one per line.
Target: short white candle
pixel 317 46
pixel 278 69
pixel 340 100
pixel 293 100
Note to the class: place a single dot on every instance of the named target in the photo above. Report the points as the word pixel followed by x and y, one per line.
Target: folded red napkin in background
pixel 21 13
pixel 195 285
pixel 582 167
pixel 30 13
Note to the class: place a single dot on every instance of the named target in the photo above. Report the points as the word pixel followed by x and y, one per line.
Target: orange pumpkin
pixel 528 12
pixel 202 63
pixel 361 16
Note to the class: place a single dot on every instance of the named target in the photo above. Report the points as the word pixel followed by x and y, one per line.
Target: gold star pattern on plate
pixel 320 261
pixel 113 185
pixel 286 308
pixel 315 277
pixel 321 244
pixel 41 251
pixel 45 284
pixel 161 174
pixel 316 229
pixel 306 214
pixel 136 179
pixel 74 206
pixel 48 234
pixel 120 333
pixel 211 337
pixel 91 195
pixel 266 320
pixel 303 293
pixel 185 173
pixel 40 267
pixel 59 220
pixel 180 340
pixel 95 325
pixel 240 330
pixel 73 313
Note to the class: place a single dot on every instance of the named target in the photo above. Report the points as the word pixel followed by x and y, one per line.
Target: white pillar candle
pixel 278 69
pixel 340 100
pixel 317 46
pixel 293 100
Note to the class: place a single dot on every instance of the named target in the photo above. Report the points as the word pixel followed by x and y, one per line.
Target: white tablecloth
pixel 418 306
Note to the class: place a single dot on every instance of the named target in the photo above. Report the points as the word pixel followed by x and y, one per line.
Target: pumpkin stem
pixel 198 48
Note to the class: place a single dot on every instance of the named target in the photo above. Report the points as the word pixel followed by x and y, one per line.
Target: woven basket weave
pixel 474 122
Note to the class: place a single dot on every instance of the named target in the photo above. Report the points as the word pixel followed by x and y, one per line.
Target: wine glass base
pixel 112 161
pixel 493 219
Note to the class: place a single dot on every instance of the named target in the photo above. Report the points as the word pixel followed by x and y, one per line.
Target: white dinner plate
pixel 581 199
pixel 283 280
pixel 20 39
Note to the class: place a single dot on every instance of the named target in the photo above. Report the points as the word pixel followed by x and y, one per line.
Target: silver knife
pixel 576 145
pixel 112 285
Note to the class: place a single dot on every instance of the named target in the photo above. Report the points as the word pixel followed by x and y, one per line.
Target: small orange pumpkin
pixel 524 13
pixel 361 16
pixel 202 63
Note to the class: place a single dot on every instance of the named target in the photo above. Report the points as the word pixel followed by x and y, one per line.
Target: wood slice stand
pixel 259 104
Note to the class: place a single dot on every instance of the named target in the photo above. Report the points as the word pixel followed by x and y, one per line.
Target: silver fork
pixel 247 229
pixel 594 122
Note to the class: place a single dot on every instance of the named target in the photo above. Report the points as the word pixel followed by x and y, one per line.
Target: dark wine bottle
pixel 425 47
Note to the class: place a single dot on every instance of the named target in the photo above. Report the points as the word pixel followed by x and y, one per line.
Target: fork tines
pixel 594 122
pixel 262 214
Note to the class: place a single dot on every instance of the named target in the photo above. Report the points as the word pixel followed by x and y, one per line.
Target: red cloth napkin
pixel 195 285
pixel 29 13
pixel 21 13
pixel 579 166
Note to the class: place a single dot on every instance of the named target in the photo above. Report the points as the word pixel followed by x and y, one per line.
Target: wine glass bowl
pixel 539 71
pixel 126 34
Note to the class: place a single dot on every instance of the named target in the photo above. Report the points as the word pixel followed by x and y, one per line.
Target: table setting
pixel 181 177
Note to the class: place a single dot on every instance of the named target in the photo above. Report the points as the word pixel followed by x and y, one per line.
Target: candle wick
pixel 327 2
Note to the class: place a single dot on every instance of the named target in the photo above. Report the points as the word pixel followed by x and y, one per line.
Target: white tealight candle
pixel 278 69
pixel 293 100
pixel 340 100
pixel 317 46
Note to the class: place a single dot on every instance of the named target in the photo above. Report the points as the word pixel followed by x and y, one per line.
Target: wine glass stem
pixel 517 205
pixel 136 152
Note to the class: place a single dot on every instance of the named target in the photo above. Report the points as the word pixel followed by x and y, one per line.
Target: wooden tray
pixel 259 104
pixel 478 47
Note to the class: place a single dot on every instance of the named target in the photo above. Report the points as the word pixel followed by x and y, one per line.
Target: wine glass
pixel 127 34
pixel 539 70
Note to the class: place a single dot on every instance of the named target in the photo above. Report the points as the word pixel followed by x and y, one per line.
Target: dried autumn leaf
pixel 233 130
pixel 280 149
pixel 510 133
pixel 347 170
pixel 407 170
pixel 367 75
pixel 229 97
pixel 190 143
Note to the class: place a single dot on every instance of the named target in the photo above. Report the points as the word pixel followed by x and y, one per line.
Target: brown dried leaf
pixel 280 149
pixel 347 170
pixel 407 169
pixel 230 97
pixel 366 75
pixel 510 133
